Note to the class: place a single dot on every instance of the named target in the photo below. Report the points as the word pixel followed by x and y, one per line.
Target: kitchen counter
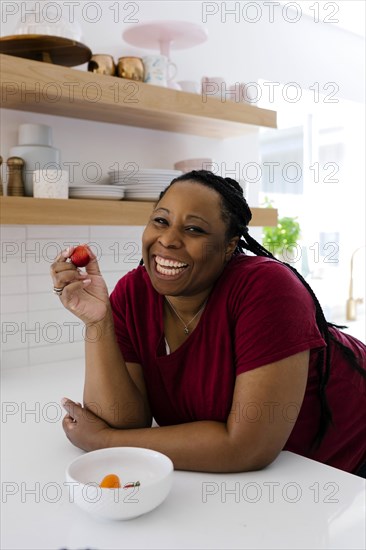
pixel 294 503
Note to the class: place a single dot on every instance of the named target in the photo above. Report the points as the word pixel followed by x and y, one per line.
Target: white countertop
pixel 295 503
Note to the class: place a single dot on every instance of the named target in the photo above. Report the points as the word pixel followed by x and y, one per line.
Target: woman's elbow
pixel 247 458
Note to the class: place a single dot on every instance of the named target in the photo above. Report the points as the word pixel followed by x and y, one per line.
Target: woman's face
pixel 184 247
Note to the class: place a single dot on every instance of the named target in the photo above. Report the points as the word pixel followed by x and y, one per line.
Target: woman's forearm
pixel 205 446
pixel 109 390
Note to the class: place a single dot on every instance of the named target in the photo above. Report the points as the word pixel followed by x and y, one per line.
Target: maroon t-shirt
pixel 258 312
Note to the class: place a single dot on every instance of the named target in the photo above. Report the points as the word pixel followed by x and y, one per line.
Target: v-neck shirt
pixel 257 313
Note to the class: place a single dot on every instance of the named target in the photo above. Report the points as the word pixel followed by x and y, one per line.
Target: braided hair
pixel 237 215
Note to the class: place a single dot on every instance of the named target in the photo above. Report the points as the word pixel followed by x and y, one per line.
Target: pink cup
pixel 213 86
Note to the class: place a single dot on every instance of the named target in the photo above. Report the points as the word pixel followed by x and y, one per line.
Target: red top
pixel 258 312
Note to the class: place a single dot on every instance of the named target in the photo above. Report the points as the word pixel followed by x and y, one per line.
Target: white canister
pixel 34 134
pixel 38 155
pixel 51 184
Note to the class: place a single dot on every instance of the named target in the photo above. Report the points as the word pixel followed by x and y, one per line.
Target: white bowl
pixel 194 164
pixel 152 469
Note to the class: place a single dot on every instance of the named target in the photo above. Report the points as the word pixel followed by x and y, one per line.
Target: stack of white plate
pixel 105 192
pixel 144 184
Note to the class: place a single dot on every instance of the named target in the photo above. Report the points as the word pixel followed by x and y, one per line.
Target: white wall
pixel 304 52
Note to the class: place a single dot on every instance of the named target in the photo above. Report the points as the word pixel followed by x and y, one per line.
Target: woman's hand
pixel 84 428
pixel 83 293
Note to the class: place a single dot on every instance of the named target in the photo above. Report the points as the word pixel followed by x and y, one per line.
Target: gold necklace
pixel 186 325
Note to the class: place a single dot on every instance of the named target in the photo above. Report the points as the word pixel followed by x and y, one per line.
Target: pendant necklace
pixel 186 325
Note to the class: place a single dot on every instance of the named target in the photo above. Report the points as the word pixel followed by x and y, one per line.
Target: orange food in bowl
pixel 111 481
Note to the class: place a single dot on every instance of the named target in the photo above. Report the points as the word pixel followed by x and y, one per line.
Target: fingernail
pixel 86 281
pixel 63 401
pixel 83 274
pixel 66 252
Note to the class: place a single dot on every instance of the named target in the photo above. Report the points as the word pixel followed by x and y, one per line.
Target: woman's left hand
pixel 84 428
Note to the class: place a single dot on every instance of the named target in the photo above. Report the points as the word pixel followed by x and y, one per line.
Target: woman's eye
pixel 190 229
pixel 195 229
pixel 160 221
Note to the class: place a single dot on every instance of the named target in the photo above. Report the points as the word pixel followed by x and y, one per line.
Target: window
pixel 325 143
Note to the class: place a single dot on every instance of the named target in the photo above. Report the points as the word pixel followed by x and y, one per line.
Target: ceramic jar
pixel 51 184
pixel 35 148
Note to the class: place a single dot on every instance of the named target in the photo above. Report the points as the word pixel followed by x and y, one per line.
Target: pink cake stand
pixel 166 35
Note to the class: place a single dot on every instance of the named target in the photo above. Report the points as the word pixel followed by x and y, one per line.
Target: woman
pixel 229 352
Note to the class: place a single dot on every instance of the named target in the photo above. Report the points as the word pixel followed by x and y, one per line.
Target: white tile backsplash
pixel 14 285
pixel 35 327
pixel 39 283
pixel 41 253
pixel 14 358
pixel 35 267
pixel 55 352
pixel 13 266
pixel 14 336
pixel 55 326
pixel 119 264
pixel 10 233
pixel 77 233
pixel 43 300
pixel 112 278
pixel 14 332
pixel 119 233
pixel 13 303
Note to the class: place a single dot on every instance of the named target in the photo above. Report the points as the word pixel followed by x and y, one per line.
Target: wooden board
pixel 28 210
pixel 44 88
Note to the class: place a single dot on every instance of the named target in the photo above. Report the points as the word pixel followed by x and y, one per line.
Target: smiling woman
pixel 228 351
pixel 185 252
pixel 186 229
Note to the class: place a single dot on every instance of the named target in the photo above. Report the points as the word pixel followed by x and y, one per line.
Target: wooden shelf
pixel 28 85
pixel 34 86
pixel 28 210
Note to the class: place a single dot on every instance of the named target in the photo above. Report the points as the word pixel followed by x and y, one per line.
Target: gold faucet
pixel 351 306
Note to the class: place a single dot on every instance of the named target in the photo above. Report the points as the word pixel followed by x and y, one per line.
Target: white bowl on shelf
pixel 194 164
pixel 153 471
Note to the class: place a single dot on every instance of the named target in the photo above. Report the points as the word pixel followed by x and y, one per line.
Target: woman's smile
pixel 169 268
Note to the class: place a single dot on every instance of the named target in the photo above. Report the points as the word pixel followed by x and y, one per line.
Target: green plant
pixel 283 237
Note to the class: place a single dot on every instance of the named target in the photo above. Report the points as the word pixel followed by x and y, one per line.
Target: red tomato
pixel 80 257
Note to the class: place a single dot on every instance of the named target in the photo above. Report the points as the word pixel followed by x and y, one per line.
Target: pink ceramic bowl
pixel 194 164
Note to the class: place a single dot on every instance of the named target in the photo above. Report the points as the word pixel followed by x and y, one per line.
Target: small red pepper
pixel 131 484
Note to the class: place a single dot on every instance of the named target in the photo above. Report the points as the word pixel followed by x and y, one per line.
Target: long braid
pixel 237 215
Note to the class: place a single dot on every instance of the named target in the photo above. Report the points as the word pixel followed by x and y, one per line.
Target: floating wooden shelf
pixel 34 86
pixel 28 210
